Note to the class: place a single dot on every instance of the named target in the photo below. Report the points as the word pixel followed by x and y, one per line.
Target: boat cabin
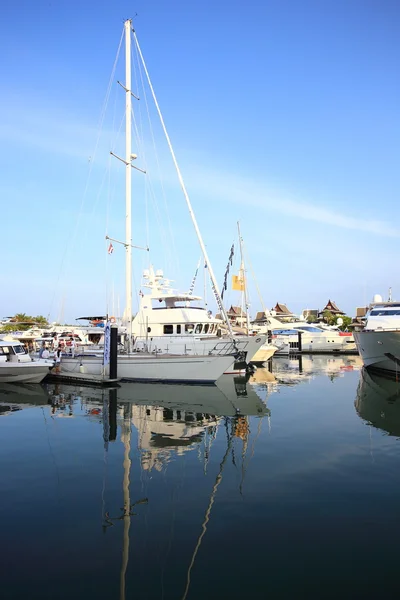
pixel 13 352
pixel 173 314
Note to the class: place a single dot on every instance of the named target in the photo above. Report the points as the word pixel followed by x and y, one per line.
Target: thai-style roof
pixel 333 308
pixel 281 309
pixel 236 311
pixel 361 311
pixel 357 323
pixel 261 316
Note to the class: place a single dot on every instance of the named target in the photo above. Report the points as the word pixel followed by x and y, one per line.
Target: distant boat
pixel 314 338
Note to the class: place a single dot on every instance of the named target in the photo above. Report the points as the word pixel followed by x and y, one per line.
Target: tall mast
pixel 128 181
pixel 246 299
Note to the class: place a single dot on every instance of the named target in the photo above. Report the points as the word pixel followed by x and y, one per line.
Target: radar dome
pixel 377 298
pixel 146 273
pixel 339 321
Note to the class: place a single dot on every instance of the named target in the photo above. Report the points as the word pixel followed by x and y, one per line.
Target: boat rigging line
pixel 185 193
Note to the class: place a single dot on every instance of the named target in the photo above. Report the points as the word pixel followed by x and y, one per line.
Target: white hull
pixel 29 372
pixel 313 344
pixel 375 346
pixel 162 368
pixel 201 345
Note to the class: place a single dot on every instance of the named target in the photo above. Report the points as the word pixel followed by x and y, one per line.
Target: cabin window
pixel 211 327
pixel 384 313
pixel 189 327
pixel 178 329
pixel 168 329
pixel 19 350
pixel 6 350
pixel 206 328
pixel 199 327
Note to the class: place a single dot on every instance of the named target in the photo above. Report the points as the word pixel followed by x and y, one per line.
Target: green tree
pixel 328 317
pixel 312 319
pixel 22 318
pixel 346 321
pixel 40 320
pixel 19 322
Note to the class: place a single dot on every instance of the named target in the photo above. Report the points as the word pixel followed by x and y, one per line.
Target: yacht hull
pixel 201 345
pixel 314 344
pixel 161 368
pixel 23 372
pixel 379 349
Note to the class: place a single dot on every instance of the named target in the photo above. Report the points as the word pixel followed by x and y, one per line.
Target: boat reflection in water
pixel 378 402
pixel 166 423
pixel 16 396
pixel 297 369
pixel 170 420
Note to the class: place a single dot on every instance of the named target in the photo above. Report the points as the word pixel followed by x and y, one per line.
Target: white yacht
pixel 169 322
pixel 17 366
pixel 379 341
pixel 300 336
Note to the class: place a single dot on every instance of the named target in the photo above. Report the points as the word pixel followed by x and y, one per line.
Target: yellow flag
pixel 237 283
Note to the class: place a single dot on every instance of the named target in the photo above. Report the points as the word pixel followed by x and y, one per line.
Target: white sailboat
pixel 265 350
pixel 154 366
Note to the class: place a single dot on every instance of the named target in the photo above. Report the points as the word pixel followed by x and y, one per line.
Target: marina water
pixel 285 486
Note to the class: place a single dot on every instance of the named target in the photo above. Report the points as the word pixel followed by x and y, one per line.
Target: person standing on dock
pixel 57 358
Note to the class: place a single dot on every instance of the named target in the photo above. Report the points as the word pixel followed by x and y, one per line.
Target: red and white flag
pixel 110 248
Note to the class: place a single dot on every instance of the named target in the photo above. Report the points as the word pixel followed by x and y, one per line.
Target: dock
pixel 86 378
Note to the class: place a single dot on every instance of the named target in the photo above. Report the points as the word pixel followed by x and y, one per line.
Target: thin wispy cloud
pixel 230 188
pixel 75 139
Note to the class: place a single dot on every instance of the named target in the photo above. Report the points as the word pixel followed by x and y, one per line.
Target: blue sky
pixel 283 115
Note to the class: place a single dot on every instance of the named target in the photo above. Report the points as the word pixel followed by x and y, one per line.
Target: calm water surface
pixel 284 487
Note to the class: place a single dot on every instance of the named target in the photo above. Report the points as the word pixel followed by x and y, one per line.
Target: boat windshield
pixel 284 332
pixel 384 312
pixel 309 328
pixel 19 350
